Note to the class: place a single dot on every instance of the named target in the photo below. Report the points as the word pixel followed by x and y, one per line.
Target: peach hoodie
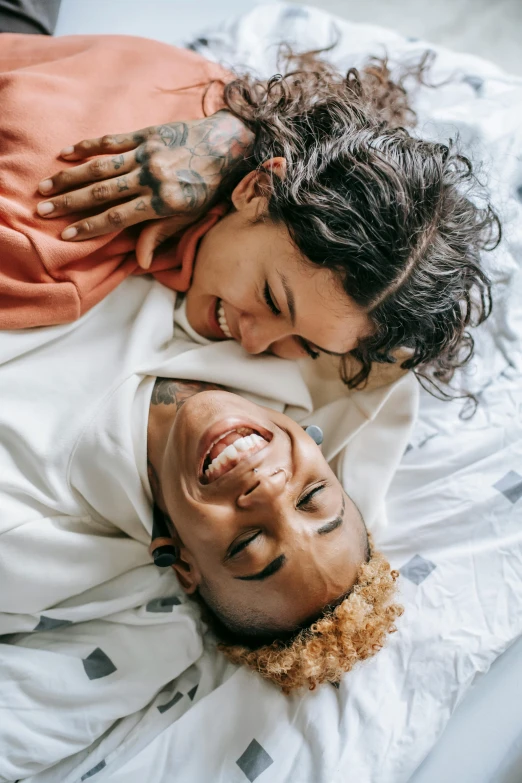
pixel 57 91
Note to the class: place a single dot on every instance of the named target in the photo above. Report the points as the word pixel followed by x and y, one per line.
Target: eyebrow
pixel 271 568
pixel 329 527
pixel 290 301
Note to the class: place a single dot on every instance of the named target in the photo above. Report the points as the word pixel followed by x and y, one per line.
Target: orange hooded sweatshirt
pixel 57 91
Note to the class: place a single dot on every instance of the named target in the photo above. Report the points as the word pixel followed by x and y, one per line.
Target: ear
pixel 187 572
pixel 254 189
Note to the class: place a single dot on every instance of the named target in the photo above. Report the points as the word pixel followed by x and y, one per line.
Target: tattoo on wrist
pixel 168 391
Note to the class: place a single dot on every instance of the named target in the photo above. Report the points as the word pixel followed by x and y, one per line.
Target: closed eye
pixel 309 350
pixel 269 299
pixel 237 548
pixel 306 503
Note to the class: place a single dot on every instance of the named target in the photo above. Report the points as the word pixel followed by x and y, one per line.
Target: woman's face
pixel 251 284
pixel 269 534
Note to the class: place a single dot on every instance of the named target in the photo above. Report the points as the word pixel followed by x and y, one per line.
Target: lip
pixel 213 320
pixel 215 431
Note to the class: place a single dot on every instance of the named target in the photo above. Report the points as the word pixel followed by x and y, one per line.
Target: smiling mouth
pixel 222 319
pixel 227 451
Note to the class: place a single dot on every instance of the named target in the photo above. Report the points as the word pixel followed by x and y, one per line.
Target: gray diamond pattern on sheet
pixel 474 81
pixel 510 486
pixel 294 12
pixel 98 665
pixel 254 761
pixel 164 707
pixel 94 770
pixel 417 569
pixel 192 692
pixel 50 623
pixel 163 604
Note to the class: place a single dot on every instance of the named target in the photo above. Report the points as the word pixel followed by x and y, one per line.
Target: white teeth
pixel 234 450
pixel 223 321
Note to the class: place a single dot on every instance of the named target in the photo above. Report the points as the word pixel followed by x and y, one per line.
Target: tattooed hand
pixel 163 171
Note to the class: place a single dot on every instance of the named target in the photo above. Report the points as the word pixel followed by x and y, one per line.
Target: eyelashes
pixel 267 295
pixel 307 501
pixel 237 548
pixel 269 300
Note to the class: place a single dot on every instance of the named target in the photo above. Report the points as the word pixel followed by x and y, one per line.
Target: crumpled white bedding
pixel 455 532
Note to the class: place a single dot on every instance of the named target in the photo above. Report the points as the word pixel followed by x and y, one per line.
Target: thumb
pixel 153 235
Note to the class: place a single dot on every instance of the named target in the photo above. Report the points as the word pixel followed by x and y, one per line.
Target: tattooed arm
pixel 163 171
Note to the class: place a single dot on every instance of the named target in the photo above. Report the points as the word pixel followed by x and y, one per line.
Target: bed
pixel 443 700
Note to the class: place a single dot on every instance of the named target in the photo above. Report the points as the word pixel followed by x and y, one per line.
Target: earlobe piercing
pixel 315 433
pixel 162 548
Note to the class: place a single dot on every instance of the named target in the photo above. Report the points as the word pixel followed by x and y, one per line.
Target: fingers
pixel 96 169
pixel 105 192
pixel 154 235
pixel 107 145
pixel 112 220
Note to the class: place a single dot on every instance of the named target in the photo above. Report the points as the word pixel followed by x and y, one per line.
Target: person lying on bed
pixel 266 538
pixel 264 534
pixel 335 230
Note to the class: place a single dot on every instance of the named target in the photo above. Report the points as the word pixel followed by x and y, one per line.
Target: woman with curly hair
pixel 335 231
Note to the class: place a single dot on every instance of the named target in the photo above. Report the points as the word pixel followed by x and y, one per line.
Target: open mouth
pixel 222 319
pixel 228 450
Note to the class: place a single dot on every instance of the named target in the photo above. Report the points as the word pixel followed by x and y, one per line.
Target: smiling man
pixel 264 531
pixel 96 441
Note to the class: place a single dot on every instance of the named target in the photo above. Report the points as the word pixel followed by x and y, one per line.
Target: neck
pixel 168 397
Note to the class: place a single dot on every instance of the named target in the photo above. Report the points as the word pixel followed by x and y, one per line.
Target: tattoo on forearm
pixel 118 162
pixel 168 391
pixel 121 182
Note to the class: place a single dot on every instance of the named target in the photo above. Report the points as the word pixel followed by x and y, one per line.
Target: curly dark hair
pixel 395 217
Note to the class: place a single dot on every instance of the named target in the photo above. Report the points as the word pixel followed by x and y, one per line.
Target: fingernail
pixel 69 233
pixel 45 185
pixel 67 151
pixel 45 208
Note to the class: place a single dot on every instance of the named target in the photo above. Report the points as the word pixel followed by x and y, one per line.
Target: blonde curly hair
pixel 353 630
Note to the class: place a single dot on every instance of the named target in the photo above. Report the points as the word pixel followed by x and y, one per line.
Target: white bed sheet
pixel 455 532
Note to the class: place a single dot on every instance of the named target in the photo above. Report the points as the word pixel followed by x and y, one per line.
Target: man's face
pixel 267 530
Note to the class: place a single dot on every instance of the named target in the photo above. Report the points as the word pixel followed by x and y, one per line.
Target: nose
pixel 258 335
pixel 263 487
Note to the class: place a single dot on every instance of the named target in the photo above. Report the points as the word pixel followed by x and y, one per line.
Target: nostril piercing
pixel 255 470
